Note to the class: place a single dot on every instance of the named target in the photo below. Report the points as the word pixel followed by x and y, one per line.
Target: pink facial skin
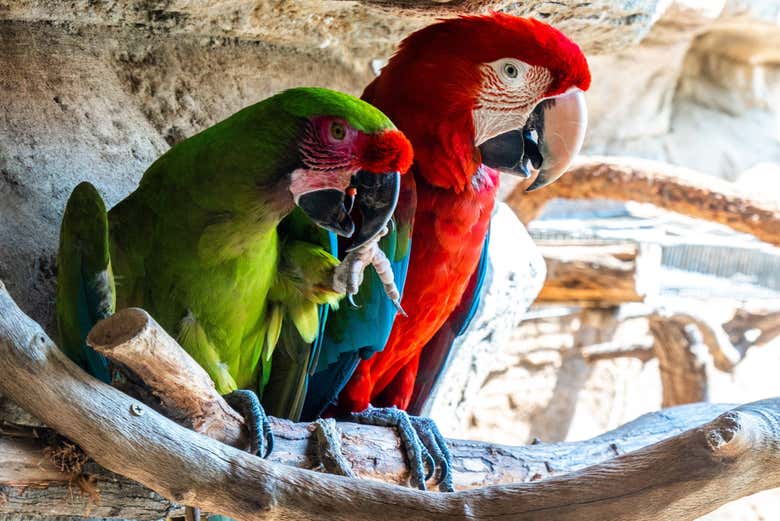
pixel 322 150
pixel 332 151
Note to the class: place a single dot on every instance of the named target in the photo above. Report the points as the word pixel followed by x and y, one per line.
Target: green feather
pixel 274 330
pixel 306 320
pixel 85 288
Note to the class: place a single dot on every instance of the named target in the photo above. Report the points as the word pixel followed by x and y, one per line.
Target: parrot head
pixel 349 159
pixel 495 89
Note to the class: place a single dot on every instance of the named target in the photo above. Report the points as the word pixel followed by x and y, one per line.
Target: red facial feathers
pixel 387 151
pixel 486 38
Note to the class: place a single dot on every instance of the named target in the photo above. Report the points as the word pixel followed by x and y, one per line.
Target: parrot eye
pixel 338 131
pixel 511 71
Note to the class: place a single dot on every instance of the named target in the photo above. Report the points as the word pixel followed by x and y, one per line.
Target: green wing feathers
pixel 85 282
pixel 302 287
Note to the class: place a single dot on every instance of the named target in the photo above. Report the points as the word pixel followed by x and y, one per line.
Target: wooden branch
pixel 683 477
pixel 34 486
pixel 761 326
pixel 673 188
pixel 611 350
pixel 604 273
pixel 374 452
pixel 31 485
pixel 683 359
pixel 133 339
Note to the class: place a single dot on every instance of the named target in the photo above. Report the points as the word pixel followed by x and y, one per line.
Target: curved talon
pixel 422 441
pixel 430 464
pixel 428 431
pixel 351 300
pixel 398 308
pixel 410 440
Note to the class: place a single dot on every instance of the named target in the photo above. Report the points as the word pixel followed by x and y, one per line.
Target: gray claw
pixel 422 442
pixel 410 441
pixel 398 308
pixel 440 453
pixel 261 437
pixel 351 300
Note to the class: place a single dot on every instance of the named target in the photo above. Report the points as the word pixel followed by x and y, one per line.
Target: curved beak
pixel 374 196
pixel 560 125
pixel 549 140
pixel 326 208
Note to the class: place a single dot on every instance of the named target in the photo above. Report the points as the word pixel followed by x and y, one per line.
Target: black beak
pixel 512 152
pixel 375 198
pixel 326 208
pixel 548 142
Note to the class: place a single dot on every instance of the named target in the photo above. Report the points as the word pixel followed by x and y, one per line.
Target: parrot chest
pixel 221 306
pixel 449 234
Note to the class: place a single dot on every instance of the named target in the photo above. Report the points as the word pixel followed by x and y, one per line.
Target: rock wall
pixel 96 90
pixel 701 90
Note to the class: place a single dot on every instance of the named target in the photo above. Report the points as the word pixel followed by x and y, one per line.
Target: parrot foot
pixel 420 439
pixel 329 448
pixel 261 437
pixel 348 275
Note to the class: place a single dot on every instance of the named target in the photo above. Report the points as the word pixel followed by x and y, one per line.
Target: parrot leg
pixel 261 437
pixel 348 275
pixel 420 439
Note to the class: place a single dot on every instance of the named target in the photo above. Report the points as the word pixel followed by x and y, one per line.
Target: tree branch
pixel 685 476
pixel 761 326
pixel 134 340
pixel 606 274
pixel 669 187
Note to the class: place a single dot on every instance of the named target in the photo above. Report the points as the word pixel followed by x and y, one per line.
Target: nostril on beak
pixel 350 194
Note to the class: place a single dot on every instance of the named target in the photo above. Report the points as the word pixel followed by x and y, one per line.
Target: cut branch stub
pixel 132 338
pixel 605 273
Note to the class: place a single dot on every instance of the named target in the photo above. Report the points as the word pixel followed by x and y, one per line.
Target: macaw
pixel 228 242
pixel 476 95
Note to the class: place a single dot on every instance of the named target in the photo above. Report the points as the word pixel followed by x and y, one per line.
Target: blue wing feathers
pixel 354 333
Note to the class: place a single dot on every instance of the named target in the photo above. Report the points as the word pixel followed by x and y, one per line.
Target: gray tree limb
pixel 681 477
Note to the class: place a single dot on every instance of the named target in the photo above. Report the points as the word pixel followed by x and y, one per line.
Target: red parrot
pixel 475 95
pixel 453 87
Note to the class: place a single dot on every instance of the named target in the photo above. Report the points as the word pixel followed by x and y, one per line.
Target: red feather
pixel 387 151
pixel 429 89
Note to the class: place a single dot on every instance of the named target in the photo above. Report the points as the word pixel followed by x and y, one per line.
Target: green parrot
pixel 229 242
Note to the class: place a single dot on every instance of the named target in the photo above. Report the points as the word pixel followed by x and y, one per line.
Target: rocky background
pixel 97 89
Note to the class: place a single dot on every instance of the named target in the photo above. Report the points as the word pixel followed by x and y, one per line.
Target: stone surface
pixel 98 89
pixel 701 90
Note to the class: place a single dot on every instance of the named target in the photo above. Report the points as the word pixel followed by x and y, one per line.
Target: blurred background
pixel 641 308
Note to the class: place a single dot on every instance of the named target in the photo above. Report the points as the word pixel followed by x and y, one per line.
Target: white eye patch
pixel 510 71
